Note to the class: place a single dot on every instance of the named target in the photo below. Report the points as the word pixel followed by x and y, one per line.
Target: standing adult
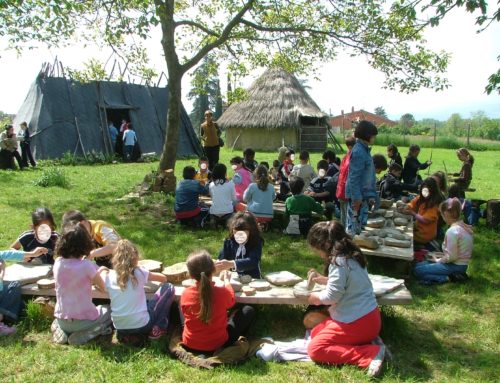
pixel 113 134
pixel 8 149
pixel 25 145
pixel 129 141
pixel 210 135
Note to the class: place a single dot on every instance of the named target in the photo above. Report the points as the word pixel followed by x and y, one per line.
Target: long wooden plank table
pixel 275 296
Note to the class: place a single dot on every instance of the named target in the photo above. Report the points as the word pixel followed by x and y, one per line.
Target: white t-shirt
pixel 128 307
pixel 304 171
pixel 223 197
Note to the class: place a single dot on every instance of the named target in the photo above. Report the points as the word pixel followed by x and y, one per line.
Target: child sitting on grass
pixel 260 195
pixel 284 174
pixel 223 195
pixel 322 188
pixel 425 209
pixel 304 170
pixel 391 186
pixel 10 292
pixel 242 249
pixel 452 263
pixel 350 335
pixel 42 234
pixel 299 209
pixel 187 207
pixel 102 233
pixel 133 316
pixel 77 319
pixel 242 177
pixel 203 175
pixel 249 159
pixel 204 307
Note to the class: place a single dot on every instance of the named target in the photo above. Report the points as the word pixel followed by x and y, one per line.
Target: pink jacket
pixel 242 179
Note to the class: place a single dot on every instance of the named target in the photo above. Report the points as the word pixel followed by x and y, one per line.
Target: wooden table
pixel 400 253
pixel 275 296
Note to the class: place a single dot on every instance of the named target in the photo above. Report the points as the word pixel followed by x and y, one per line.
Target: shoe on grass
pixel 58 335
pixel 6 330
pixel 375 366
pixel 82 337
pixel 388 354
pixel 156 333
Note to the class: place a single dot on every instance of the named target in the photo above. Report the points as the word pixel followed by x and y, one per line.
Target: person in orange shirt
pixel 425 210
pixel 203 175
pixel 102 233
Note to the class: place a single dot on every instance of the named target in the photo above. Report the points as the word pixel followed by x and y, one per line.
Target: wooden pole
pixel 468 135
pixel 435 129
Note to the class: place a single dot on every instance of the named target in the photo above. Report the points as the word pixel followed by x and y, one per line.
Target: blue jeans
pixel 158 309
pixel 437 272
pixel 355 223
pixel 10 300
pixel 128 150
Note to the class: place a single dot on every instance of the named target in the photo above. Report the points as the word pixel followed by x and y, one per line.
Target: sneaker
pixel 54 326
pixel 156 333
pixel 82 337
pixel 375 366
pixel 58 335
pixel 6 330
pixel 388 354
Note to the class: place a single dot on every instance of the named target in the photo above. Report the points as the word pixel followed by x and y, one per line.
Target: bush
pixel 52 176
pixel 444 142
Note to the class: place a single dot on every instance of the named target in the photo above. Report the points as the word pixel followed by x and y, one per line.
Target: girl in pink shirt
pixel 77 319
pixel 242 177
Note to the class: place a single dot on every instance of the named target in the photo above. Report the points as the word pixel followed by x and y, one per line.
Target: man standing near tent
pixel 129 141
pixel 8 149
pixel 210 134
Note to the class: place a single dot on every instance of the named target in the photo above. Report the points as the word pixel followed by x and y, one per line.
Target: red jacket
pixel 344 172
pixel 206 336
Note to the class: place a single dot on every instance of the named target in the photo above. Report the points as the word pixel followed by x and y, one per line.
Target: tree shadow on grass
pixel 418 352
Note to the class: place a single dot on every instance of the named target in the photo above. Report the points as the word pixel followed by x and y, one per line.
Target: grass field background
pixel 449 334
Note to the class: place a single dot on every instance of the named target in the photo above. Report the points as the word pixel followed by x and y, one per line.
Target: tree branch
pixel 194 24
pixel 224 36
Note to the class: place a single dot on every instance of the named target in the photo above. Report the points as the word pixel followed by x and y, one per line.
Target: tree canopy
pixel 380 111
pixel 294 34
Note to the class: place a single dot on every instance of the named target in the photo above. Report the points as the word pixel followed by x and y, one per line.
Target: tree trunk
pixel 169 154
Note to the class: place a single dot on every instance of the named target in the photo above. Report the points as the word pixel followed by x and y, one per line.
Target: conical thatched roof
pixel 275 100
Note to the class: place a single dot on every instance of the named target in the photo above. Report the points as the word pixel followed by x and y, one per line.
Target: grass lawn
pixel 451 332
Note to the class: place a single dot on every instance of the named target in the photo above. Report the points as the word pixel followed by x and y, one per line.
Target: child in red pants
pixel 349 336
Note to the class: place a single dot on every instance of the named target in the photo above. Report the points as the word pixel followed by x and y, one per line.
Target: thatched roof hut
pixel 277 111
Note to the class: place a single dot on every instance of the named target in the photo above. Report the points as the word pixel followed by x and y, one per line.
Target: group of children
pixel 350 333
pixel 251 188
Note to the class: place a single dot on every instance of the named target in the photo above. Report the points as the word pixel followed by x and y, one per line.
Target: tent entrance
pixel 115 116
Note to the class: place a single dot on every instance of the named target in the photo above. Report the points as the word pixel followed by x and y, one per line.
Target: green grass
pixel 450 333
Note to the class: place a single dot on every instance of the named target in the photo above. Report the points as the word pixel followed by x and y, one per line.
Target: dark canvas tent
pixel 69 116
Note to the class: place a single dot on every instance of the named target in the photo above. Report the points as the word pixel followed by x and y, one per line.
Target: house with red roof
pixel 346 121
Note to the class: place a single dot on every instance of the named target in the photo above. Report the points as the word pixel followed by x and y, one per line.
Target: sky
pixel 343 84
